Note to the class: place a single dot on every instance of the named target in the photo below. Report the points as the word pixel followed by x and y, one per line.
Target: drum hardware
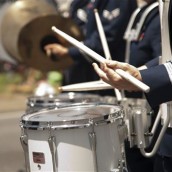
pixel 156 146
pixel 122 167
pixel 155 125
pixel 24 143
pixel 64 130
pixel 92 139
pixel 53 148
pixel 139 128
pixel 122 132
pixel 135 109
pixel 165 108
pixel 138 136
pixel 141 138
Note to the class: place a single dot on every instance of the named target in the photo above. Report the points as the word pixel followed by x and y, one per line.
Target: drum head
pixel 72 116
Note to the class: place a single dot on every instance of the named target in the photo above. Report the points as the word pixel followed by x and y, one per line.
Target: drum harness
pixel 166 108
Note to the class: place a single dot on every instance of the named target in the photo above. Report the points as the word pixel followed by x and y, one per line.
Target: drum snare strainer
pixel 77 137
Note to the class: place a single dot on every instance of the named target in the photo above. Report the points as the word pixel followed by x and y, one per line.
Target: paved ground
pixel 11 153
pixel 12 102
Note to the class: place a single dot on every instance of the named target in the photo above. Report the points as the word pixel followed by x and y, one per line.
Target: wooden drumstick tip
pixel 53 28
pixel 48 53
pixel 60 89
pixel 95 10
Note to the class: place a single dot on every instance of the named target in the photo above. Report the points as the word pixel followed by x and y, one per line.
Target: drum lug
pixel 53 149
pixel 24 143
pixel 122 167
pixel 23 140
pixel 92 139
pixel 119 169
pixel 123 132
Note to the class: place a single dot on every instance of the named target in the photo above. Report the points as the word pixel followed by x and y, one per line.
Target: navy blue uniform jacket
pixel 148 45
pixel 158 78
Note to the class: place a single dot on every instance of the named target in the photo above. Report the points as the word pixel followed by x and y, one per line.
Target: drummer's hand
pixel 56 49
pixel 107 73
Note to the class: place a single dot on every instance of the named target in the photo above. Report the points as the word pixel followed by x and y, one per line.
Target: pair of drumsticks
pixel 98 84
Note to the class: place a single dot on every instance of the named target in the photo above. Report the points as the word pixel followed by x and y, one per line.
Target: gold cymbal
pixel 26 29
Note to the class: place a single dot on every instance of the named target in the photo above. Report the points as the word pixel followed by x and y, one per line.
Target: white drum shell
pixel 73 144
pixel 73 149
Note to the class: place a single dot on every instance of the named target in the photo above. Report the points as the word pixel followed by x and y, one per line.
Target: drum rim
pixel 56 99
pixel 67 124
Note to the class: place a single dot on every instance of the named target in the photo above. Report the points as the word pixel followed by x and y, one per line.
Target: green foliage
pixel 9 78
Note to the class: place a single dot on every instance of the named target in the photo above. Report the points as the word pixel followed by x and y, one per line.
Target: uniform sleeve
pixel 159 78
pixel 153 62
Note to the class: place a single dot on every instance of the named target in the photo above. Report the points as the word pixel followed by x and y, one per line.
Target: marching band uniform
pixel 148 44
pixel 159 79
pixel 161 84
pixel 142 50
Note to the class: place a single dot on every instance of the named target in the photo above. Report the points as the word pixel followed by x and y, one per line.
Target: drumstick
pixel 87 86
pixel 102 36
pixel 48 53
pixel 105 47
pixel 100 59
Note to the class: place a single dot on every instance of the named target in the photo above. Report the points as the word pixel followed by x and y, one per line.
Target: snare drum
pixel 36 103
pixel 78 137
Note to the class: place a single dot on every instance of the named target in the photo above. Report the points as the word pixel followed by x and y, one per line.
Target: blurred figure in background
pixel 114 15
pixel 63 7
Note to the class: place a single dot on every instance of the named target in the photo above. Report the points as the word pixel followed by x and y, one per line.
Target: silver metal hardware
pixel 53 148
pixel 24 143
pixel 92 139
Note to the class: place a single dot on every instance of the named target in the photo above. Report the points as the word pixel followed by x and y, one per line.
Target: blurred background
pixel 18 79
